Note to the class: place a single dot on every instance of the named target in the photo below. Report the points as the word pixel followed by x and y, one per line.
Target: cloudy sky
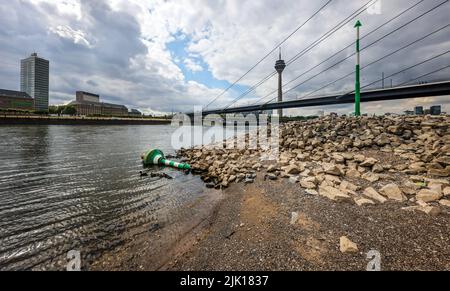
pixel 163 56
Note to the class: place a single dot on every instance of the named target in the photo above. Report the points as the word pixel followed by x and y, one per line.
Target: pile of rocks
pixel 365 160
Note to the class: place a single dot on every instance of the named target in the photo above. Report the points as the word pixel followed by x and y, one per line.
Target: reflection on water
pixel 78 187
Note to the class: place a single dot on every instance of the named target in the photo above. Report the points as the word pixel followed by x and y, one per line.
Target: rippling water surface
pixel 78 187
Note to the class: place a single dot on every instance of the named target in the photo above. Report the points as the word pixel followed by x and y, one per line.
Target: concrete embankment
pixel 45 120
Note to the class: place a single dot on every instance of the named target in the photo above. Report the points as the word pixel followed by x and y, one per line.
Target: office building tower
pixel 34 80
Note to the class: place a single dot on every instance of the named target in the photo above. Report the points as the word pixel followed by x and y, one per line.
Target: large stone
pixel 361 201
pixel 444 182
pixel 410 188
pixel 347 156
pixel 417 179
pixel 309 183
pixel 428 209
pixel 292 170
pixel 353 173
pixel 359 158
pixel 333 194
pixel 440 172
pixel 332 169
pixel 444 202
pixel 339 159
pixel 256 166
pixel 369 162
pixel 347 246
pixel 435 187
pixel 444 160
pixel 392 191
pixel 371 177
pixel 382 139
pixel 333 179
pixel 416 168
pixel 427 195
pixel 377 168
pixel 446 191
pixel 271 169
pixel 311 192
pixel 345 185
pixel 372 193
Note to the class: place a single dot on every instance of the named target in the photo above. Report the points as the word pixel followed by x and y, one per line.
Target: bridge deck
pixel 404 92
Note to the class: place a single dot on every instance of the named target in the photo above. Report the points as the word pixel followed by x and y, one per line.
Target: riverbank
pixel 55 120
pixel 153 246
pixel 253 230
pixel 342 187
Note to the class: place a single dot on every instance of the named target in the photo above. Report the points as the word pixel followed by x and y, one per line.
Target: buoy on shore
pixel 156 157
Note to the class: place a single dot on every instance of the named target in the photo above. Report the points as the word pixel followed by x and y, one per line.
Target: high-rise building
pixel 435 110
pixel 34 80
pixel 418 110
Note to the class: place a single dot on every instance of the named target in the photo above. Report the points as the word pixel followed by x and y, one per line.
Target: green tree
pixel 69 110
pixel 53 110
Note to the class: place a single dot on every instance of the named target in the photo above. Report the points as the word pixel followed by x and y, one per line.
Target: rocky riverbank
pixel 366 161
pixel 342 191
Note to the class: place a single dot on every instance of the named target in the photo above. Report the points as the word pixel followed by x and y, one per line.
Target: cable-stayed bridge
pixel 401 92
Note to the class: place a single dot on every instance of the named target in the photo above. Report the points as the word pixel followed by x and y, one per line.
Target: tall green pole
pixel 358 70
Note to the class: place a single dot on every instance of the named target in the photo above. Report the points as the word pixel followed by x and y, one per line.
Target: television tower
pixel 280 65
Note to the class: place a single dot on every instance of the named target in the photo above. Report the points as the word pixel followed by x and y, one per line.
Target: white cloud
pixel 192 65
pixel 77 36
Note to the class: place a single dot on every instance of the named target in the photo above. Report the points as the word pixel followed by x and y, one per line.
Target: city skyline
pixel 162 56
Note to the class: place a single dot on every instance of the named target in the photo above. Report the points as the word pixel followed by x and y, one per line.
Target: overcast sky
pixel 160 56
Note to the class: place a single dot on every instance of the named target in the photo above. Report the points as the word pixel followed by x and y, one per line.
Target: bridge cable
pixel 424 75
pixel 309 48
pixel 391 75
pixel 340 51
pixel 404 70
pixel 346 58
pixel 268 54
pixel 380 59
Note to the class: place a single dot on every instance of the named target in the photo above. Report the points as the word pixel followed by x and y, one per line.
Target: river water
pixel 68 188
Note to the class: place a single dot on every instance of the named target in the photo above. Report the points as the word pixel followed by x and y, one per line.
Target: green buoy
pixel 156 157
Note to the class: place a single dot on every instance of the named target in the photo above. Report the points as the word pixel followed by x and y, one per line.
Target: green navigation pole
pixel 358 70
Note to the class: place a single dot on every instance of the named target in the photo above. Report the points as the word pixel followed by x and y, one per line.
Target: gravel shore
pixel 252 231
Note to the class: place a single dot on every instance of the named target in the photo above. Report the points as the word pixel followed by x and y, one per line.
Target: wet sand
pixel 152 247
